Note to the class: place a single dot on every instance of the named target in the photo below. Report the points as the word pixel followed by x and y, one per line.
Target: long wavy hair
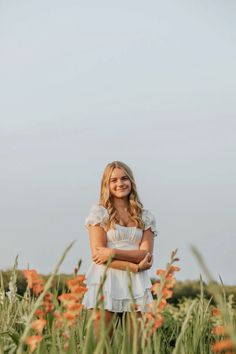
pixel 135 206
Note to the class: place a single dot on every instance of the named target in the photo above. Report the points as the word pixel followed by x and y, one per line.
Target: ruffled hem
pixel 117 296
pixel 115 305
pixel 116 283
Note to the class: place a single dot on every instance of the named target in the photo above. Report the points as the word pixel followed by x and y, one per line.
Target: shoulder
pixel 149 221
pixel 97 215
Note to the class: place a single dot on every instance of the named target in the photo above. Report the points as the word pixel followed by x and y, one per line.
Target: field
pixel 44 315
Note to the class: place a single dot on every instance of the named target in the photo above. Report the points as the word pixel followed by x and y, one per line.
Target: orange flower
pixel 35 282
pixel 173 269
pixel 167 293
pixel 59 319
pixel 148 316
pixel 75 281
pixel 215 311
pixel 75 307
pixel 38 287
pixel 39 325
pixel 31 275
pixel 158 321
pixel 39 313
pixel 32 342
pixel 163 289
pixel 48 297
pixel 162 304
pixel 161 272
pixel 219 330
pixel 79 290
pixel 70 317
pixel 47 303
pixel 222 345
pixel 67 298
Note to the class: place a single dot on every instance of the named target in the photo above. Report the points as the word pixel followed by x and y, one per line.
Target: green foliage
pixel 183 289
pixel 187 327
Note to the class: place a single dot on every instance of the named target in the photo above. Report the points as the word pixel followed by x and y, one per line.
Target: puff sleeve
pixel 97 215
pixel 149 221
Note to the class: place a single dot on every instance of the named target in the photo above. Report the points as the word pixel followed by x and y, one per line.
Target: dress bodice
pixel 124 237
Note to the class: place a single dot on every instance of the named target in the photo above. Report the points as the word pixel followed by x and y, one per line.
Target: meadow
pixel 44 315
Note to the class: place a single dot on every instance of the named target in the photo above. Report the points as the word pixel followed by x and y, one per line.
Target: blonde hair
pixel 135 206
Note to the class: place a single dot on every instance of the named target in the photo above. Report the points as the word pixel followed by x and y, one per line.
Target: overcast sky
pixel 148 83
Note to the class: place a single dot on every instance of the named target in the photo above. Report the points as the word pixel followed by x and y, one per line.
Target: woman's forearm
pixel 134 256
pixel 123 265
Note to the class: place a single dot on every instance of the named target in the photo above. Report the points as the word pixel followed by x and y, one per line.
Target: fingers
pixel 149 256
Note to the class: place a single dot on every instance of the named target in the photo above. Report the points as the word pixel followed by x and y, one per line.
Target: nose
pixel 120 182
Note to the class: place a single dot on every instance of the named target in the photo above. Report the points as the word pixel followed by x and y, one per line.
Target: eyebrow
pixel 120 177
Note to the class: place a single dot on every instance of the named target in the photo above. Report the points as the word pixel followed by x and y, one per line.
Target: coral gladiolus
pixel 39 313
pixel 32 342
pixel 163 289
pixel 215 312
pixel 160 272
pixel 222 345
pixel 39 325
pixel 219 330
pixel 35 282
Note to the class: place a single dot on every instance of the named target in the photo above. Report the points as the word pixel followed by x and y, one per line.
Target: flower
pixel 222 345
pixel 32 341
pixel 219 330
pixel 71 302
pixel 47 303
pixel 39 325
pixel 39 313
pixel 35 282
pixel 163 289
pixel 215 311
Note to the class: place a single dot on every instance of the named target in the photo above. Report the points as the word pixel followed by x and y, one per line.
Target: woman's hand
pixel 102 255
pixel 146 263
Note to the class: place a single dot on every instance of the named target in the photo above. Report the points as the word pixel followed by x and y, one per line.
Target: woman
pixel 119 228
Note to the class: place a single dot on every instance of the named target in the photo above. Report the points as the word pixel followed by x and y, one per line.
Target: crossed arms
pixel 135 260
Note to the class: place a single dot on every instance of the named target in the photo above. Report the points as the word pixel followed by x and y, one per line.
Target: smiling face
pixel 119 184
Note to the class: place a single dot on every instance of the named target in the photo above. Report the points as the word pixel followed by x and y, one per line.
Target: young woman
pixel 119 227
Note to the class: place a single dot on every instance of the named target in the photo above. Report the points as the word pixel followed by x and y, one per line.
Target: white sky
pixel 151 84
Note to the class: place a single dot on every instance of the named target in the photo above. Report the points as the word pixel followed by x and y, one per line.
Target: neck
pixel 120 203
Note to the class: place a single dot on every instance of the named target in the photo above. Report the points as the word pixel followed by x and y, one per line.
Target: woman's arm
pixel 103 253
pixel 97 237
pixel 123 265
pixel 145 264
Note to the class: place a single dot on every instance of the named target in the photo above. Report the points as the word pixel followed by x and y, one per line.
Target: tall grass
pixel 186 328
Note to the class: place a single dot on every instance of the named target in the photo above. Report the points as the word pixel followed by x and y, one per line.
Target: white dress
pixel 117 297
